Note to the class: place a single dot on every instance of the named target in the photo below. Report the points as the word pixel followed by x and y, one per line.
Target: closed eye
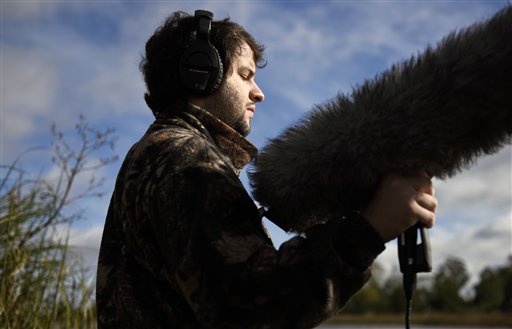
pixel 246 73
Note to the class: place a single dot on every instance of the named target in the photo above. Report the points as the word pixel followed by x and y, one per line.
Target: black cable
pixel 408 310
pixel 409 286
pixel 413 258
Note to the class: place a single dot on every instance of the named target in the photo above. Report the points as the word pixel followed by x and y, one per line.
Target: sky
pixel 60 59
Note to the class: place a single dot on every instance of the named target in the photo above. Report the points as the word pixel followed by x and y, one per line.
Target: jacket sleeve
pixel 229 271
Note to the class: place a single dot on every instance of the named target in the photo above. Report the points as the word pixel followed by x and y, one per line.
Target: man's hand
pixel 400 202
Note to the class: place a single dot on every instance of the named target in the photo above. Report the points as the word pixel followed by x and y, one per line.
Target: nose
pixel 256 95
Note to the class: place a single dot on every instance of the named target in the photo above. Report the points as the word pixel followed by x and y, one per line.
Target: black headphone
pixel 200 66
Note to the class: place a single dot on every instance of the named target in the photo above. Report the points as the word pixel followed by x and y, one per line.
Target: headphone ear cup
pixel 220 73
pixel 201 69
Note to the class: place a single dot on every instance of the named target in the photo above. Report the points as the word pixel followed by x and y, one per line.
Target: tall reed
pixel 44 283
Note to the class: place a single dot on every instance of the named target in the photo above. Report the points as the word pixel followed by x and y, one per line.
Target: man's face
pixel 235 101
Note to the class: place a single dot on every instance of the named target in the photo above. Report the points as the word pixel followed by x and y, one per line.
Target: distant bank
pixel 466 319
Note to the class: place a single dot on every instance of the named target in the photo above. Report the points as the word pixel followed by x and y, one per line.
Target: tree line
pixel 442 291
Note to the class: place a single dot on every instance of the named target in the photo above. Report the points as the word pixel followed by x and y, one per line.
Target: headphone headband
pixel 204 24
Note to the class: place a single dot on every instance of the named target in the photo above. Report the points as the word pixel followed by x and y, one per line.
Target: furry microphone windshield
pixel 437 111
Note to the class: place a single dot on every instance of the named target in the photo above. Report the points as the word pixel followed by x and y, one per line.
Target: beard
pixel 225 104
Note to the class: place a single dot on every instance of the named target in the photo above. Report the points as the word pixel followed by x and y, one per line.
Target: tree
pixel 448 281
pixel 394 293
pixel 494 290
pixel 489 292
pixel 44 285
pixel 506 277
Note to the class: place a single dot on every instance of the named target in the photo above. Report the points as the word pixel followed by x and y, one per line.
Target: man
pixel 184 245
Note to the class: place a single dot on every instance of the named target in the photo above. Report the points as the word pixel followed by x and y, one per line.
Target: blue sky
pixel 60 59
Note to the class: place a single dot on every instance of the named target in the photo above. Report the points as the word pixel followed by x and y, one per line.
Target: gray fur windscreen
pixel 437 111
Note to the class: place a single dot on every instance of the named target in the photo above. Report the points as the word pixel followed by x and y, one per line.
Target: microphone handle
pixel 413 258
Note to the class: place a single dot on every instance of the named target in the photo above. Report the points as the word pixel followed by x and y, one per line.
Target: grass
pixel 43 282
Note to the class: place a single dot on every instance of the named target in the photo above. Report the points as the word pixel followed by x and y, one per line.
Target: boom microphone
pixel 437 111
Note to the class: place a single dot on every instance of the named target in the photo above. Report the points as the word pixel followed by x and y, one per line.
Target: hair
pixel 159 65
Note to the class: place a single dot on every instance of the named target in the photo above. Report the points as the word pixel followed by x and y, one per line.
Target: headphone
pixel 200 66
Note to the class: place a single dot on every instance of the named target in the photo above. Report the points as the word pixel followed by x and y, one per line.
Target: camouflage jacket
pixel 184 245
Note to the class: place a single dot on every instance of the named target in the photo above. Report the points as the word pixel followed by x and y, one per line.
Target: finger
pixel 427 201
pixel 424 215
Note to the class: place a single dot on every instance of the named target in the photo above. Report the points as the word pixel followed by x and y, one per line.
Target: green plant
pixel 44 283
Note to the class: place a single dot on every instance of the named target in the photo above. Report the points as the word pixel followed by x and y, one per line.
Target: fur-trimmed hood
pixel 438 111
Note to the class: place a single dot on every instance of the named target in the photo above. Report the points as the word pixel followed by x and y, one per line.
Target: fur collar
pixel 238 149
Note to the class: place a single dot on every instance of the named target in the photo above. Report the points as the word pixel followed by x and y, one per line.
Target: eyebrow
pixel 248 68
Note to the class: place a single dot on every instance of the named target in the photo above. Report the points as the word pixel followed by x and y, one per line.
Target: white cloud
pixel 485 188
pixel 486 244
pixel 28 90
pixel 324 48
pixel 27 10
pixel 83 242
pixel 51 73
pixel 116 91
